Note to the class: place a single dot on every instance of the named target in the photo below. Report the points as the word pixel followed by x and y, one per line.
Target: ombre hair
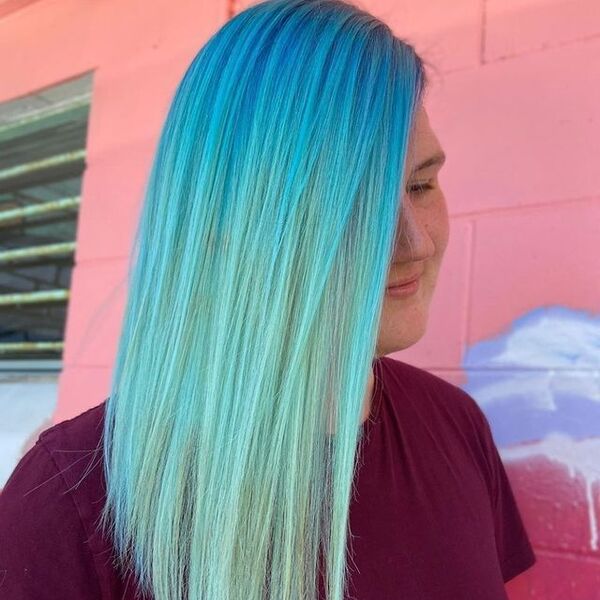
pixel 256 285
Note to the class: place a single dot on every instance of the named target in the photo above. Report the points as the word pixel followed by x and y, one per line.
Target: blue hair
pixel 256 288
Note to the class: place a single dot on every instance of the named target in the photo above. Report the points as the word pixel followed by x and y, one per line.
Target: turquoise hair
pixel 256 288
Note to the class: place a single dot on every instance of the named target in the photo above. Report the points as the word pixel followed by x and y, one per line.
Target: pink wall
pixel 515 105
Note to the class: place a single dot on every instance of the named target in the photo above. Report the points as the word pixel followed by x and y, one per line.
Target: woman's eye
pixel 420 188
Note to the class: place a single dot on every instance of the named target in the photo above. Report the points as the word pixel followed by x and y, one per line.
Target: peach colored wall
pixel 514 103
pixel 137 51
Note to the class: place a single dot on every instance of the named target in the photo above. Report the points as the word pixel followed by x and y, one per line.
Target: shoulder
pixel 75 447
pixel 430 399
pixel 42 528
pixel 41 475
pixel 454 413
pixel 82 429
pixel 38 494
pixel 407 378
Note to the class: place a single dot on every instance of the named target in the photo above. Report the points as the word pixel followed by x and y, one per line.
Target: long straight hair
pixel 256 287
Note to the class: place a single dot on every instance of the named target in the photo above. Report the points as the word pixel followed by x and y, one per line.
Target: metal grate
pixel 42 158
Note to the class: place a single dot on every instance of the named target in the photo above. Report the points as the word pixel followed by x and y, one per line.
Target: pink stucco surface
pixel 514 102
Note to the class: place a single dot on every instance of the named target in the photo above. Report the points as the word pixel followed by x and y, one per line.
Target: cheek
pixel 440 227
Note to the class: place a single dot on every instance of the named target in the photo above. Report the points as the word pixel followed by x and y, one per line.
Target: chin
pixel 401 342
pixel 401 335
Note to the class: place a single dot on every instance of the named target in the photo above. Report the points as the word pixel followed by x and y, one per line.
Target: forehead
pixel 423 141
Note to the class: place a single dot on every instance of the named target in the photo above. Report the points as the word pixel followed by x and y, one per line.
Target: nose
pixel 413 242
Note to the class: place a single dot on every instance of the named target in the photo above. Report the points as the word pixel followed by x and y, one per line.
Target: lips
pixel 405 282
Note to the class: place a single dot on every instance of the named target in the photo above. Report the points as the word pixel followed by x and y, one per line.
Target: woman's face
pixel 421 239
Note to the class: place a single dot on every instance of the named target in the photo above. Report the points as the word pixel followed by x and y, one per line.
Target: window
pixel 42 159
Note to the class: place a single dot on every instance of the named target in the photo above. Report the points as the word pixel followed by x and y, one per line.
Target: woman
pixel 294 187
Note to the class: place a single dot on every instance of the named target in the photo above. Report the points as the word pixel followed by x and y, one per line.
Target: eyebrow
pixel 437 159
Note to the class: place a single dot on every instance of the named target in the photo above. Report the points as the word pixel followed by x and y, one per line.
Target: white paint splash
pixel 579 457
pixel 546 338
pixel 549 351
pixel 538 383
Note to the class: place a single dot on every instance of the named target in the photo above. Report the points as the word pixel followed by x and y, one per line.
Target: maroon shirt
pixel 434 516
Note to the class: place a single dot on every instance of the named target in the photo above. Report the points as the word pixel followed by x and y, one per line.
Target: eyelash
pixel 421 188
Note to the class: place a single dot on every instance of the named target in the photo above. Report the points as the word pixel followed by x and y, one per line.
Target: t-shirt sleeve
pixel 515 551
pixel 43 549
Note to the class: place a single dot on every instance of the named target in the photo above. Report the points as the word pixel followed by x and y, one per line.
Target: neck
pixel 368 399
